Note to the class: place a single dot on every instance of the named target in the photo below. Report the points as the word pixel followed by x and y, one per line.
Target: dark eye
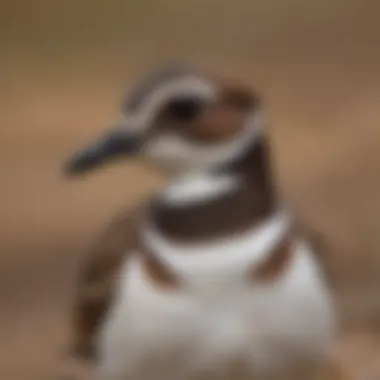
pixel 185 110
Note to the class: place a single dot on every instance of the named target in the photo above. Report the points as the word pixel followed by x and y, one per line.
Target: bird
pixel 209 277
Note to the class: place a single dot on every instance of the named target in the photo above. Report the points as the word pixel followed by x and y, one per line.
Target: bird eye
pixel 185 110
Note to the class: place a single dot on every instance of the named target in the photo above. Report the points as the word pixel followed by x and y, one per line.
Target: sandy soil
pixel 63 70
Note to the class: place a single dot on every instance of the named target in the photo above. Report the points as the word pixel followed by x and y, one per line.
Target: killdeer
pixel 209 279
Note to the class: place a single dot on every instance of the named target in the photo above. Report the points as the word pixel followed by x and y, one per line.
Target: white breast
pixel 224 260
pixel 256 329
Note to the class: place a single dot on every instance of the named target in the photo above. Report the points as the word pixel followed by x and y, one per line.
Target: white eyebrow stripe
pixel 190 85
pixel 156 79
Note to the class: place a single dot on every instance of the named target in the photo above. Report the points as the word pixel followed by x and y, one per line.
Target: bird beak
pixel 113 145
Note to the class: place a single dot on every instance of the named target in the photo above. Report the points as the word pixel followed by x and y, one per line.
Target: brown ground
pixel 63 68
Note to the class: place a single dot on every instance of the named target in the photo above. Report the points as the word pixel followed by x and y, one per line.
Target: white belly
pixel 245 332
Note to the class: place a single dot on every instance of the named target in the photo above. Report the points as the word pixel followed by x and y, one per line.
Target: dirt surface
pixel 64 67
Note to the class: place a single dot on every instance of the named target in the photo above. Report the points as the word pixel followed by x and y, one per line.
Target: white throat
pixel 199 188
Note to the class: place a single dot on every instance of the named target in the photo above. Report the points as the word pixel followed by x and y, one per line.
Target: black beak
pixel 114 145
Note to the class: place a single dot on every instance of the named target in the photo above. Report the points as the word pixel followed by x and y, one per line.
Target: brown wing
pixel 97 281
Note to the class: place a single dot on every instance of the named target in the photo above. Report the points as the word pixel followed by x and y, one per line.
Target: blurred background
pixel 64 68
